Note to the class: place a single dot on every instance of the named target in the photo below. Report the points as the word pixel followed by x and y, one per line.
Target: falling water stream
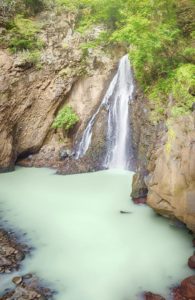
pixel 116 101
pixel 118 134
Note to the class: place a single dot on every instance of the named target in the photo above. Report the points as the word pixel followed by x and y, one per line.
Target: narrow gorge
pixel 97 152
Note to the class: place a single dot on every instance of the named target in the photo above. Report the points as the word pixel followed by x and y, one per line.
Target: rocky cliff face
pixel 165 163
pixel 30 97
pixel 171 182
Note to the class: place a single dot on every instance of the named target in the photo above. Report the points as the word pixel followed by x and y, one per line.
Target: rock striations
pixel 165 164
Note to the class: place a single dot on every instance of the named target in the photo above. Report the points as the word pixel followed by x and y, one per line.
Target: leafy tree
pixel 159 35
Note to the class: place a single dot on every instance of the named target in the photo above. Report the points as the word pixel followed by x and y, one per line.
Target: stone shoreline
pixel 12 253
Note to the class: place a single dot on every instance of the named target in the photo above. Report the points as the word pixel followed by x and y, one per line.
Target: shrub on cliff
pixel 23 34
pixel 174 95
pixel 65 119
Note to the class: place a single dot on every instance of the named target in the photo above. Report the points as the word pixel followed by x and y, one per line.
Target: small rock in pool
pixel 151 296
pixel 191 262
pixel 28 289
pixel 20 256
pixel 17 280
pixel 28 276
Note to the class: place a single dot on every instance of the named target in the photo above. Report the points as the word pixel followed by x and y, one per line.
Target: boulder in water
pixel 17 280
pixel 139 188
pixel 188 287
pixel 151 296
pixel 191 262
pixel 186 291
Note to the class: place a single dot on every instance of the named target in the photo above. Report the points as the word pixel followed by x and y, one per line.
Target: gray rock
pixel 64 153
pixel 20 256
pixel 17 280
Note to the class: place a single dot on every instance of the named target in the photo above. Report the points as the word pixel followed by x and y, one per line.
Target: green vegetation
pixel 175 92
pixel 22 29
pixel 23 34
pixel 65 119
pixel 159 36
pixel 9 8
pixel 31 57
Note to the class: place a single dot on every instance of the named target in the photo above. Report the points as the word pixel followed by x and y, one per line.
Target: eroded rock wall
pixel 145 137
pixel 165 156
pixel 30 97
pixel 171 183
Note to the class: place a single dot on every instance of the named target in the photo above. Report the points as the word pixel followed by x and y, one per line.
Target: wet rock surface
pixel 151 296
pixel 186 290
pixel 165 154
pixel 69 165
pixel 140 189
pixel 27 287
pixel 83 165
pixel 171 183
pixel 141 200
pixel 11 252
pixel 191 262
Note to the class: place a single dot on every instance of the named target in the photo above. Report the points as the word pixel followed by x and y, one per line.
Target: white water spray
pixel 116 100
pixel 118 135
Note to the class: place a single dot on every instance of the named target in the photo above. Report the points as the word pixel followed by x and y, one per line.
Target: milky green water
pixel 86 249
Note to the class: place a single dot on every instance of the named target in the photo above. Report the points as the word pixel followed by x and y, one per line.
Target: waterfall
pixel 116 101
pixel 118 135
